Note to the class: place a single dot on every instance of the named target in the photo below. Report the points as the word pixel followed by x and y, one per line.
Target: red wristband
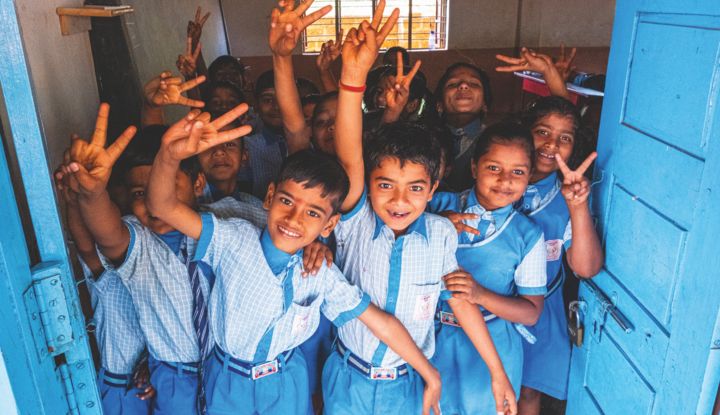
pixel 351 88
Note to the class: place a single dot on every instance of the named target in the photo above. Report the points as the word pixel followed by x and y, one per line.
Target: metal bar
pixel 610 308
pixel 410 27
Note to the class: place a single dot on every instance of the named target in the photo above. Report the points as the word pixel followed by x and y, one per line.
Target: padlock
pixel 575 326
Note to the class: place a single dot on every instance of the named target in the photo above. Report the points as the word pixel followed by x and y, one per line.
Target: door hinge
pixel 48 311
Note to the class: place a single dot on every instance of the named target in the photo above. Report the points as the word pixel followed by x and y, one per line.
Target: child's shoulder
pixel 528 228
pixel 438 226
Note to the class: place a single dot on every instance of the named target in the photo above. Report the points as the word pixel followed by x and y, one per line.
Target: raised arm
pixel 192 135
pixel 329 52
pixel 164 90
pixel 533 61
pixel 286 25
pixel 390 331
pixel 90 167
pixel 359 51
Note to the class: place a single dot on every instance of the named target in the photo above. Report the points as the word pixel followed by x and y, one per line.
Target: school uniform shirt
pixel 547 362
pixel 266 153
pixel 117 329
pixel 212 194
pixel 242 205
pixel 403 276
pixel 261 305
pixel 464 140
pixel 156 275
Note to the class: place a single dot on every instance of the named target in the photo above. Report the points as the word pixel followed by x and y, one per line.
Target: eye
pixel 138 194
pixel 285 201
pixel 385 185
pixel 417 188
pixel 543 133
pixel 452 84
pixel 493 167
pixel 313 214
pixel 518 172
pixel 474 84
pixel 231 144
pixel 567 138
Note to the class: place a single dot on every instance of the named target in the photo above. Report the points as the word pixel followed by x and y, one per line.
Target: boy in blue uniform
pixel 391 249
pixel 261 309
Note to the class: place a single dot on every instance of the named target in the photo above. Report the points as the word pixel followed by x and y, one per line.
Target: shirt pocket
pixel 423 301
pixel 298 324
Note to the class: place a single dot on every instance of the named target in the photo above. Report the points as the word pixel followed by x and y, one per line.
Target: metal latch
pixel 575 326
pixel 48 310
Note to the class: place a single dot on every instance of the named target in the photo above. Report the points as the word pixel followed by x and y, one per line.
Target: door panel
pixel 658 201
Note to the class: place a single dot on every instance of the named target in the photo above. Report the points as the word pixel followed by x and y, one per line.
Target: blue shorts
pixel 176 388
pixel 117 399
pixel 346 391
pixel 316 350
pixel 466 385
pixel 282 393
pixel 547 362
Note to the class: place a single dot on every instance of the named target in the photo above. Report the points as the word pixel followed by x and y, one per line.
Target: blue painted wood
pixel 659 208
pixel 42 380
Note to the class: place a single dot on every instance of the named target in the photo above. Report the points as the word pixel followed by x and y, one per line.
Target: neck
pixel 461 120
pixel 226 187
pixel 536 176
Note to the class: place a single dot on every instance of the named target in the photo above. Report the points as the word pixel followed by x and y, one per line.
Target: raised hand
pixel 361 46
pixel 575 186
pixel 90 162
pixel 313 257
pixel 528 61
pixel 166 89
pixel 187 63
pixel 195 27
pixel 329 52
pixel 287 24
pixel 396 97
pixel 195 133
pixel 564 63
pixel 458 219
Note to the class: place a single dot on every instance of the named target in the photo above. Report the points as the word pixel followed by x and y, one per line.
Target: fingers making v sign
pixel 575 186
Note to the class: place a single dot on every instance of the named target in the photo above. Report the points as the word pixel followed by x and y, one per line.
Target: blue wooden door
pixel 43 342
pixel 650 316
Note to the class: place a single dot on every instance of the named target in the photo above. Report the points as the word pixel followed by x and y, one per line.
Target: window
pixel 422 24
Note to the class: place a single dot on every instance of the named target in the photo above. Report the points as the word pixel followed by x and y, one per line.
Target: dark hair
pixel 212 86
pixel 505 133
pixel 440 88
pixel 144 147
pixel 321 100
pixel 306 87
pixel 544 106
pixel 225 60
pixel 312 169
pixel 266 80
pixel 407 142
pixel 391 52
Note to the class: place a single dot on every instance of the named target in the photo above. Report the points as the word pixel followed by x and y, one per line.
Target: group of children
pixel 233 257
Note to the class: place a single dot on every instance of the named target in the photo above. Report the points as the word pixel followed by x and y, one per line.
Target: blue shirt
pixel 243 206
pixel 261 305
pixel 266 152
pixel 403 276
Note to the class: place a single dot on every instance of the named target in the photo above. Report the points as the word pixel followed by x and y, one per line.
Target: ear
pixel 244 155
pixel 199 184
pixel 473 165
pixel 269 196
pixel 434 188
pixel 330 225
pixel 412 106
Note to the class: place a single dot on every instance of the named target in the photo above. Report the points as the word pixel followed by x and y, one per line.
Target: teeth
pixel 549 156
pixel 289 232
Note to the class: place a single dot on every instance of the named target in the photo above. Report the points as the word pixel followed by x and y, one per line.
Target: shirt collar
pixel 270 137
pixel 276 259
pixel 173 240
pixel 498 214
pixel 544 186
pixel 418 226
pixel 471 130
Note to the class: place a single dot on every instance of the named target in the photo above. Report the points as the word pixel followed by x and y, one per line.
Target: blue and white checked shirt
pixel 117 329
pixel 249 297
pixel 245 206
pixel 402 277
pixel 266 152
pixel 157 279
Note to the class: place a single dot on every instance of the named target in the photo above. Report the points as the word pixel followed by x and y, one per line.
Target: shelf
pixel 72 19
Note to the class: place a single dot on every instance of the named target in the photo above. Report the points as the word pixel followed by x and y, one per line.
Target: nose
pixel 463 85
pixel 294 217
pixel 331 128
pixel 507 176
pixel 399 196
pixel 219 150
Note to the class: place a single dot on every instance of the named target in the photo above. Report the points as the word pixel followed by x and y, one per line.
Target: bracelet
pixel 351 88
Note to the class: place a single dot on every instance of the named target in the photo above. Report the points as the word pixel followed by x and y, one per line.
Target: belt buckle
pixel 383 373
pixel 265 369
pixel 448 319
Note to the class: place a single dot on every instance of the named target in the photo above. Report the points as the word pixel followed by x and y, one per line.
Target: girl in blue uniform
pixel 558 202
pixel 503 254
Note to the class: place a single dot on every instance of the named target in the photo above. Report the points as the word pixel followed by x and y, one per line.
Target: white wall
pixel 7 398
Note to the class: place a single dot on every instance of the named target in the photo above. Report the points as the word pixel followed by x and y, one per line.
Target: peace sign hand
pixel 329 52
pixel 528 61
pixel 576 187
pixel 287 24
pixel 564 64
pixel 361 46
pixel 166 89
pixel 90 162
pixel 194 133
pixel 195 27
pixel 187 63
pixel 396 97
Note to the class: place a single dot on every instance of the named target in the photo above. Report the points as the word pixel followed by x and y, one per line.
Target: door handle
pixel 610 308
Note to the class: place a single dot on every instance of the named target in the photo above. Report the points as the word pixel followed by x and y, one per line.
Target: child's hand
pixel 329 52
pixel 194 133
pixel 187 63
pixel 194 27
pixel 165 89
pixel 457 220
pixel 528 61
pixel 576 187
pixel 90 162
pixel 148 392
pixel 313 257
pixel 505 401
pixel 464 287
pixel 361 46
pixel 431 395
pixel 564 64
pixel 287 25
pixel 396 97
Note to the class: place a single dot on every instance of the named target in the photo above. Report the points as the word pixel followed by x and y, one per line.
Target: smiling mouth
pixel 287 232
pixel 398 215
pixel 546 156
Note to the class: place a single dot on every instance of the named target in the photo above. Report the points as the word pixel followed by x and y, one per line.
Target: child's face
pixel 463 93
pixel 308 110
pixel 501 175
pixel 297 215
pixel 137 181
pixel 222 162
pixel 268 109
pixel 222 100
pixel 229 73
pixel 399 194
pixel 323 127
pixel 553 134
